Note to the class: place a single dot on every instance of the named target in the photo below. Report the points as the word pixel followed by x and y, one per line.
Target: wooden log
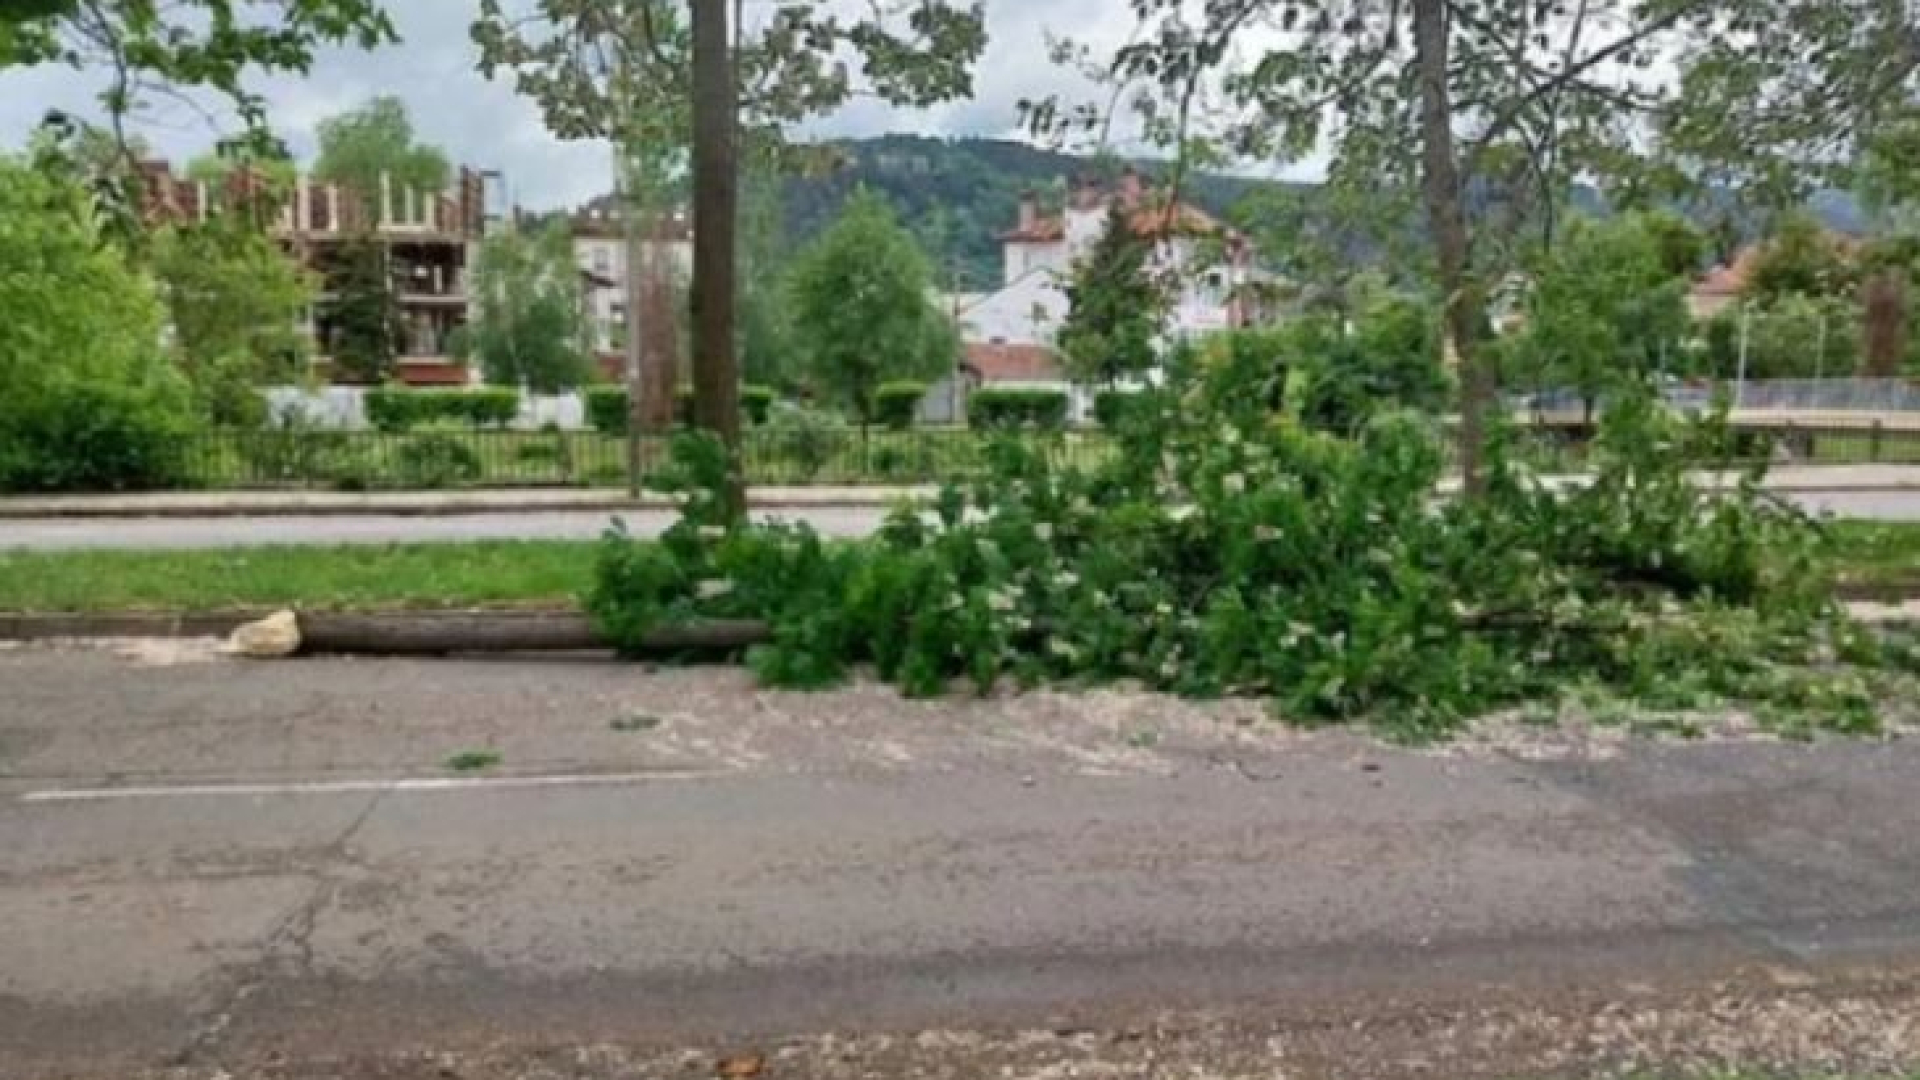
pixel 440 632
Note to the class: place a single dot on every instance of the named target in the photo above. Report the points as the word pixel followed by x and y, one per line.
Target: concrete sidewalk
pixel 203 504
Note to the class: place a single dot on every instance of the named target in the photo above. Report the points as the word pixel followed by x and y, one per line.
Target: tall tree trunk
pixel 716 381
pixel 1884 319
pixel 658 331
pixel 1446 219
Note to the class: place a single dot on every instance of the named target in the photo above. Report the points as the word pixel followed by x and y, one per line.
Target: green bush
pixel 802 437
pixel 606 409
pixel 395 410
pixel 92 438
pixel 436 459
pixel 756 403
pixel 1114 409
pixel 1000 409
pixel 897 404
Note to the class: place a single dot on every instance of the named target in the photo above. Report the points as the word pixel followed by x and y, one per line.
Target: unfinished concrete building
pixel 428 240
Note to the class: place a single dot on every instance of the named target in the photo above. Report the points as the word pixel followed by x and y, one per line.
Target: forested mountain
pixel 958 195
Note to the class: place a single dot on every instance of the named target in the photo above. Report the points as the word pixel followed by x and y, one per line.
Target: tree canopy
pixel 358 147
pixel 529 327
pixel 862 313
pixel 1114 306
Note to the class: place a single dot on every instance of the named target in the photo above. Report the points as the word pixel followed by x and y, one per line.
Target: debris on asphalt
pixel 276 636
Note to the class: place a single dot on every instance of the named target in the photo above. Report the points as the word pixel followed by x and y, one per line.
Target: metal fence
pixel 1827 395
pixel 364 460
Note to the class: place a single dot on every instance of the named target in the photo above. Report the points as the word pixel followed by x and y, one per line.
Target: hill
pixel 958 195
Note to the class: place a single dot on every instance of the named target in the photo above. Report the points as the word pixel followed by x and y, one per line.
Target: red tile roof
pixel 996 363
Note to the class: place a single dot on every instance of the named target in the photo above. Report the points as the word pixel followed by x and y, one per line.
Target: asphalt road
pixel 193 532
pixel 216 864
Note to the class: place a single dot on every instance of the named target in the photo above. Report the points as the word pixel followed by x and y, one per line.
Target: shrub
pixel 802 437
pixel 897 404
pixel 756 402
pixel 1115 409
pixel 395 410
pixel 436 459
pixel 606 408
pixel 1010 409
pixel 92 438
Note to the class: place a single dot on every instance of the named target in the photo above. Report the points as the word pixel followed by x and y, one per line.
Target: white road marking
pixel 421 785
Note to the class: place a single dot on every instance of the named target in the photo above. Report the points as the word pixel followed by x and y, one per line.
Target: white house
pixel 1212 261
pixel 600 249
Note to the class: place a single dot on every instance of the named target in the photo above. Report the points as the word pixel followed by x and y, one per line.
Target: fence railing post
pixel 1874 448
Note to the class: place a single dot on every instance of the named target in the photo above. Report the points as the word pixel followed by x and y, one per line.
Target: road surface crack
pixel 291 939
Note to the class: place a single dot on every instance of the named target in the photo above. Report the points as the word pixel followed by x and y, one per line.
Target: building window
pixel 601 263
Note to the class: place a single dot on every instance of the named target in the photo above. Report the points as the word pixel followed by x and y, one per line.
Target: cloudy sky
pixel 487 125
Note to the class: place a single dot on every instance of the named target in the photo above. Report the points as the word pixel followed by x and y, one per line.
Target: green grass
pixel 475 574
pixel 493 573
pixel 474 761
pixel 1878 552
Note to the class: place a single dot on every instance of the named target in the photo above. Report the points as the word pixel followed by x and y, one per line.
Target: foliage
pixel 861 311
pixel 358 147
pixel 1225 550
pixel 1607 308
pixel 361 327
pixel 1009 409
pixel 1801 258
pixel 1793 337
pixel 214 45
pixel 805 436
pixel 756 403
pixel 1490 111
pixel 606 406
pixel 529 324
pixel 897 404
pixel 395 409
pixel 436 459
pixel 1115 410
pixel 90 402
pixel 86 437
pixel 1114 307
pixel 606 409
pixel 234 301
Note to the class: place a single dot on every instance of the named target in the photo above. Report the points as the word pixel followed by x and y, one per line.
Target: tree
pixel 234 300
pixel 1607 308
pixel 594 66
pixel 1800 258
pixel 1491 109
pixel 148 48
pixel 861 310
pixel 361 325
pixel 90 401
pixel 358 148
pixel 529 328
pixel 1791 336
pixel 1114 306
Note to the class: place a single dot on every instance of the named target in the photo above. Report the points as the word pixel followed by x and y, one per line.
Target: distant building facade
pixel 600 250
pixel 427 238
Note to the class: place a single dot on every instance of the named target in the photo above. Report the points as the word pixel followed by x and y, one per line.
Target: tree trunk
pixel 659 332
pixel 716 382
pixel 1446 220
pixel 1884 319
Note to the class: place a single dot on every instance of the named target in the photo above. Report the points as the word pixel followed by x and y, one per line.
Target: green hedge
pixel 1112 408
pixel 1007 410
pixel 606 407
pixel 393 409
pixel 897 404
pixel 92 438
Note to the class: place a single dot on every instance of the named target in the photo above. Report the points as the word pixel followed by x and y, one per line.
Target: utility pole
pixel 716 383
